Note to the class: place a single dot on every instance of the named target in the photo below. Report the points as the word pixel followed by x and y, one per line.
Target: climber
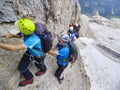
pixel 62 55
pixel 34 51
pixel 71 34
pixel 76 28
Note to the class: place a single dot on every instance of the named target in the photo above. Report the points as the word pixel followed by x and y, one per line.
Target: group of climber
pixel 33 39
pixel 73 31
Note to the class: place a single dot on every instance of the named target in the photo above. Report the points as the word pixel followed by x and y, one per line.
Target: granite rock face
pixel 56 15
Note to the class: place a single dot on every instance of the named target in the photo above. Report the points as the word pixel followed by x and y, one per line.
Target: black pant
pixel 59 70
pixel 26 60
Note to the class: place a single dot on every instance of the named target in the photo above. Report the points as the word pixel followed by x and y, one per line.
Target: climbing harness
pixel 32 58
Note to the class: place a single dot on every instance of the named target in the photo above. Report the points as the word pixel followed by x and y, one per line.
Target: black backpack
pixel 76 34
pixel 45 36
pixel 73 52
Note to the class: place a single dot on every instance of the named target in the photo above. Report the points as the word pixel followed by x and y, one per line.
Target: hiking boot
pixel 60 80
pixel 26 82
pixel 40 73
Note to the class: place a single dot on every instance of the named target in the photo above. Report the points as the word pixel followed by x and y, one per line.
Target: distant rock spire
pixel 95 12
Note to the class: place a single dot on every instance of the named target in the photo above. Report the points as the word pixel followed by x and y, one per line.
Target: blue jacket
pixel 63 54
pixel 33 43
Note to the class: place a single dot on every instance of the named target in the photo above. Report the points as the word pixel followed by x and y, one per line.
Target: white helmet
pixel 76 25
pixel 71 28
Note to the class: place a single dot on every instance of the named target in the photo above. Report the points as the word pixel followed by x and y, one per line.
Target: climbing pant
pixel 59 70
pixel 25 62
